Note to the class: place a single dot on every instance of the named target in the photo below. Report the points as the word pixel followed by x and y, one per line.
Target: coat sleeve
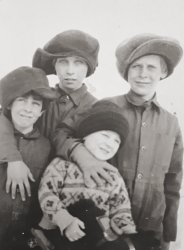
pixel 64 139
pixel 64 142
pixel 121 219
pixel 49 194
pixel 8 147
pixel 172 185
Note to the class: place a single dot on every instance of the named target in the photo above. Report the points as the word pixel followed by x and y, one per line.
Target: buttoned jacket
pixel 151 164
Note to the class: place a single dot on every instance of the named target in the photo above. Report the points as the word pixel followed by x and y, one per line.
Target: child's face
pixel 71 72
pixel 144 75
pixel 25 111
pixel 103 144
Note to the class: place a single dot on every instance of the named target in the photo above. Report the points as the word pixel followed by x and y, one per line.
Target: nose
pixel 28 106
pixel 109 143
pixel 143 72
pixel 70 69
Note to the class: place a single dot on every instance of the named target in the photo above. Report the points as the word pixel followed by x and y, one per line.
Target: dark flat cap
pixel 148 44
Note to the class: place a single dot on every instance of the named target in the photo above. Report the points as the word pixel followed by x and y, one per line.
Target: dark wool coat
pixel 35 150
pixel 63 108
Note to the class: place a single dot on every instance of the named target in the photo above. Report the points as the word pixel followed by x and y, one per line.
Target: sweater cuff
pixel 47 224
pixel 76 144
pixel 10 156
pixel 63 219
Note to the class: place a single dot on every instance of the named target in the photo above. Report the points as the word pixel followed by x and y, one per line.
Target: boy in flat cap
pixel 151 159
pixel 25 94
pixel 75 208
pixel 72 55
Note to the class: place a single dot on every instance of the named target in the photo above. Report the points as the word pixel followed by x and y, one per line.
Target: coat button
pixel 143 148
pixel 139 176
pixel 144 124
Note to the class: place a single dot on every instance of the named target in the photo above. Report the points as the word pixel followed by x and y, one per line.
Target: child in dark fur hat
pixel 25 94
pixel 72 55
pixel 89 217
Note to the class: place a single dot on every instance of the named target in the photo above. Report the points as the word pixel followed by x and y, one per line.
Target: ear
pixel 163 75
pixel 8 107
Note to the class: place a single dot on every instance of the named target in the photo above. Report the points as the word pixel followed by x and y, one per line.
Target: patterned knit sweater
pixel 62 184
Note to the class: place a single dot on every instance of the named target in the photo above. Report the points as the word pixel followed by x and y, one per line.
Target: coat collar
pixel 75 96
pixel 137 101
pixel 34 134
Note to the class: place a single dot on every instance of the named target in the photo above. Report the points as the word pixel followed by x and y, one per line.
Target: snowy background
pixel 28 24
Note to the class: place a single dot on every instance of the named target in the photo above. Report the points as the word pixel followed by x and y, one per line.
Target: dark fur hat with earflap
pixel 21 81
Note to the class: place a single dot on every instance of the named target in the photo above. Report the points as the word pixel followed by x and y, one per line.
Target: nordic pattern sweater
pixel 62 185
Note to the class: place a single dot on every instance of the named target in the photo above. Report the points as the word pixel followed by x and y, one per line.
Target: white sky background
pixel 26 25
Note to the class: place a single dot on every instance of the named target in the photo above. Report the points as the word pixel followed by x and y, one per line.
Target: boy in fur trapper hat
pixel 151 159
pixel 89 217
pixel 72 55
pixel 25 94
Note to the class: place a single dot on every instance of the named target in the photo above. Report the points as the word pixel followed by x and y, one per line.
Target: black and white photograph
pixel 91 125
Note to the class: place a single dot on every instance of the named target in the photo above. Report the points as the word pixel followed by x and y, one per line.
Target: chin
pixel 140 93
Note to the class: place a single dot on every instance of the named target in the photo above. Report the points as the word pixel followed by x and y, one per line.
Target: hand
pixel 18 175
pixel 165 245
pixel 74 231
pixel 92 168
pixel 57 161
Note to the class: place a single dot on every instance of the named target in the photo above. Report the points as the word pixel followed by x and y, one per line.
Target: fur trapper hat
pixel 21 81
pixel 68 43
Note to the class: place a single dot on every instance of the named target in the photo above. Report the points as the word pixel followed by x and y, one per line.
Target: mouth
pixel 142 83
pixel 26 116
pixel 104 150
pixel 70 79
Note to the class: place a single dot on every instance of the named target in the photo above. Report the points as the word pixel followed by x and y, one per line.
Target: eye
pixel 151 67
pixel 20 99
pixel 62 61
pixel 136 66
pixel 78 61
pixel 37 103
pixel 105 135
pixel 118 141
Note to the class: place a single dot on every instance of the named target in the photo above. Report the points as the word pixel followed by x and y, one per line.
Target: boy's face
pixel 71 72
pixel 25 111
pixel 144 75
pixel 103 144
